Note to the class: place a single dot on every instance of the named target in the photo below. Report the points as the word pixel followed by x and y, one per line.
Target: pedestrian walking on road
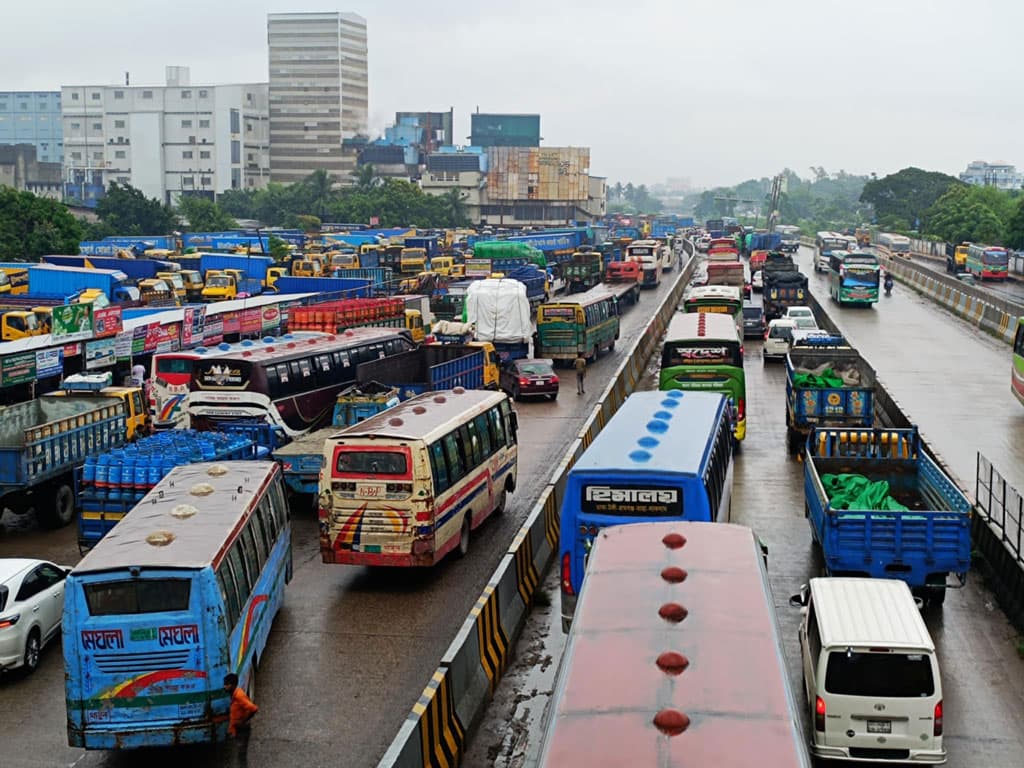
pixel 242 712
pixel 580 364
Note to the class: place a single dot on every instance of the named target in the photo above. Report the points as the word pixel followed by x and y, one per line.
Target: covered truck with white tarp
pixel 500 313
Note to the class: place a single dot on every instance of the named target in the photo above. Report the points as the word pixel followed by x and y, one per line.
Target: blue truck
pixel 42 441
pixel 110 483
pixel 67 281
pixel 828 384
pixel 535 281
pixel 350 287
pixel 765 241
pixel 109 246
pixel 426 369
pixel 255 267
pixel 913 523
pixel 301 460
pixel 430 244
pixel 135 269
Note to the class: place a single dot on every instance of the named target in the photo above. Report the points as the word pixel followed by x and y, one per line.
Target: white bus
pixel 407 486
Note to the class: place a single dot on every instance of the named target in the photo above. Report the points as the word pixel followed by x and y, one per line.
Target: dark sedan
pixel 529 377
pixel 753 322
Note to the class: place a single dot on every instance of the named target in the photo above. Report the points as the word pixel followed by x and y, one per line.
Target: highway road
pixel 1011 290
pixel 352 648
pixel 953 380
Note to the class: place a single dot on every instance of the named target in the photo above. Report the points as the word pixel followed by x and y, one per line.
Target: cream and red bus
pixel 407 486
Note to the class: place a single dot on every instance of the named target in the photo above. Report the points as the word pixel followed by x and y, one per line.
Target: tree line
pixel 630 198
pixel 33 226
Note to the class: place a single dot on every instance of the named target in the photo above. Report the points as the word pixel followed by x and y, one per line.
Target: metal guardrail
pixel 1001 504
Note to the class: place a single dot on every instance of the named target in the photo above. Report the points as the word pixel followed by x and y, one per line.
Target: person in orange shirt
pixel 242 711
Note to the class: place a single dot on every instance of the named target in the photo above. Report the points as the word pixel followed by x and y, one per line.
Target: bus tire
pixel 463 548
pixel 499 507
pixel 611 347
pixel 56 509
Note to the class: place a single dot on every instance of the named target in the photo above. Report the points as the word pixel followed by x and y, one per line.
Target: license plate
pixel 879 726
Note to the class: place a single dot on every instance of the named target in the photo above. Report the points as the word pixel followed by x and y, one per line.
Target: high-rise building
pixel 318 93
pixel 167 141
pixel 33 117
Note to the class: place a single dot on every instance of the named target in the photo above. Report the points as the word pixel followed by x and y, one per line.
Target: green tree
pixel 32 226
pixel 320 185
pixel 454 208
pixel 907 194
pixel 204 215
pixel 278 249
pixel 1015 227
pixel 129 212
pixel 366 178
pixel 308 223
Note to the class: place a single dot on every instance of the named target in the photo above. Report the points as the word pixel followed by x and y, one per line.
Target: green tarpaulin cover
pixel 857 492
pixel 827 379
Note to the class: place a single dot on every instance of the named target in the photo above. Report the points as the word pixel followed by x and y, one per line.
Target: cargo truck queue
pixel 388 409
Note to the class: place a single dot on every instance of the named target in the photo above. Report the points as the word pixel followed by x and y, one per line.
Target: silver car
pixel 31 606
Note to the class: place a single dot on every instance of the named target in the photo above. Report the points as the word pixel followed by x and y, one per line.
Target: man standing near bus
pixel 580 364
pixel 242 711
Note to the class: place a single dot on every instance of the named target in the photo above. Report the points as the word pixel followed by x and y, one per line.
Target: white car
pixel 757 280
pixel 778 338
pixel 803 317
pixel 31 606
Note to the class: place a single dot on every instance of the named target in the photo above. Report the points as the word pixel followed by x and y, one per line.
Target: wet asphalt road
pixel 953 380
pixel 351 649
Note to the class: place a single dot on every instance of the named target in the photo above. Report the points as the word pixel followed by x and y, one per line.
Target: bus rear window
pixel 711 353
pixel 372 462
pixel 888 675
pixel 119 598
pixel 173 365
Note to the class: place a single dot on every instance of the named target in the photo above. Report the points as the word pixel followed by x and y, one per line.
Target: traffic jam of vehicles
pixel 380 378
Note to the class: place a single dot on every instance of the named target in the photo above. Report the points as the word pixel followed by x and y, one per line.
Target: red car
pixel 529 377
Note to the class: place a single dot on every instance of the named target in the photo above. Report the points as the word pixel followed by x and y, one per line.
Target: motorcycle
pixel 888 286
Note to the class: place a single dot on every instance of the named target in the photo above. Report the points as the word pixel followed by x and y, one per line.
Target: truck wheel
pixel 793 441
pixel 56 509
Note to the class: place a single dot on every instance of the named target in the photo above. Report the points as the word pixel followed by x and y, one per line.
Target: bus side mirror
pixel 799 600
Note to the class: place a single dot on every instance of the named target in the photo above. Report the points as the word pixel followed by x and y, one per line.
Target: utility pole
pixel 773 203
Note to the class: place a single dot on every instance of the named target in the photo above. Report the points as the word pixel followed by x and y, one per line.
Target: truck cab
pixel 272 274
pixel 306 268
pixel 44 316
pixel 177 283
pixel 19 324
pixel 442 265
pixel 14 280
pixel 220 287
pixel 137 419
pixel 492 365
pixel 193 281
pixel 344 259
pixel 157 293
pixel 413 260
pixel 414 324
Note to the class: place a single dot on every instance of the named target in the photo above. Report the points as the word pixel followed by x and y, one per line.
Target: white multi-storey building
pixel 318 92
pixel 1000 175
pixel 167 141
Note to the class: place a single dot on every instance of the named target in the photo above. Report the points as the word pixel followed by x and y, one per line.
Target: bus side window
pixel 484 433
pixel 471 445
pixel 438 468
pixel 456 467
pixel 497 424
pixel 229 593
pixel 243 579
pixel 256 558
pixel 279 506
pixel 273 383
pixel 511 423
pixel 261 523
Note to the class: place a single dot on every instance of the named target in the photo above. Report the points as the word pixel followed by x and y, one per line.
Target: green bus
pixel 853 278
pixel 584 325
pixel 1017 380
pixel 717 299
pixel 703 351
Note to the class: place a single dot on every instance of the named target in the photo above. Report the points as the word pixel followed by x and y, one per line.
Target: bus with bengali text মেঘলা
pixel 582 325
pixel 180 593
pixel 703 352
pixel 853 278
pixel 410 485
pixel 662 456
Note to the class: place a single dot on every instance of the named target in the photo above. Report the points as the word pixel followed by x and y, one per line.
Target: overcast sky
pixel 714 90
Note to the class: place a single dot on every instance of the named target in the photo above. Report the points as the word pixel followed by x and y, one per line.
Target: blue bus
pixel 182 591
pixel 663 456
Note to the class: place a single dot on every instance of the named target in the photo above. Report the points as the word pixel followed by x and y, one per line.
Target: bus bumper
pixel 352 554
pixel 150 735
pixel 740 431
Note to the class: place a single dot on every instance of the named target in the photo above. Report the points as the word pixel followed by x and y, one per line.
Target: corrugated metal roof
pixel 656 432
pixel 868 612
pixel 420 416
pixel 184 521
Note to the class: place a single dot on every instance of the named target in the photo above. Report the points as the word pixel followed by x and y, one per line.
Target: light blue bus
pixel 663 456
pixel 182 591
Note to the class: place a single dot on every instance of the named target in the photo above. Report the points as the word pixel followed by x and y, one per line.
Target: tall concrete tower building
pixel 318 92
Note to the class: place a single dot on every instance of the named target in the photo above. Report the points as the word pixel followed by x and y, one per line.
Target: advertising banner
pixel 213 331
pixel 230 321
pixel 49 362
pixel 123 345
pixel 192 328
pixel 271 318
pixel 251 321
pixel 18 369
pixel 106 322
pixel 100 354
pixel 72 322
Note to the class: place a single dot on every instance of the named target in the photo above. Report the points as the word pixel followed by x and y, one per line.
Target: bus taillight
pixel 741 409
pixel 566 575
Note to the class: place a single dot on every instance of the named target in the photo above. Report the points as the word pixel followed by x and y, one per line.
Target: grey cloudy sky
pixel 714 90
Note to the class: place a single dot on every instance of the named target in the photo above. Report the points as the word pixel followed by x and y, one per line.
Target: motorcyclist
pixel 887 282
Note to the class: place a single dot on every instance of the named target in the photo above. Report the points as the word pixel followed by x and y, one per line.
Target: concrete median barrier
pixel 432 736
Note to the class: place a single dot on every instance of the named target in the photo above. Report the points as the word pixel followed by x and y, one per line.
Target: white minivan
pixel 870 672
